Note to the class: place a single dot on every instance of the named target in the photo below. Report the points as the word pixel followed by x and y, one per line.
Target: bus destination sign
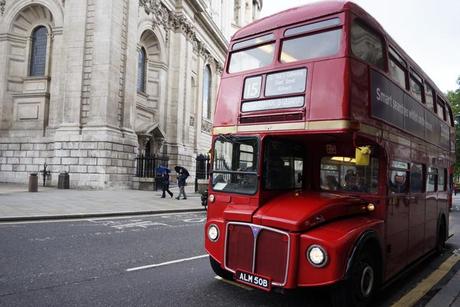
pixel 286 82
pixel 394 106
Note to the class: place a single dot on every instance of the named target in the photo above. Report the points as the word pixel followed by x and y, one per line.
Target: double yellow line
pixel 413 296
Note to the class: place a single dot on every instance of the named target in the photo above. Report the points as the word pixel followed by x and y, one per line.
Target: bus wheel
pixel 359 289
pixel 441 238
pixel 219 271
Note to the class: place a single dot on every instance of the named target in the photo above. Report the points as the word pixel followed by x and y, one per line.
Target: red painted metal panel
pixel 240 246
pixel 271 255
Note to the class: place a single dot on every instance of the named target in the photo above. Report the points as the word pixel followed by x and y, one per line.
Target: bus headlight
pixel 213 233
pixel 317 256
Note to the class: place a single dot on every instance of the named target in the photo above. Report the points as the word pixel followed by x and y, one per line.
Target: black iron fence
pixel 146 166
pixel 202 168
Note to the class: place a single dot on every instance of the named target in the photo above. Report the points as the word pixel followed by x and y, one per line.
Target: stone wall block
pixel 96 169
pixel 19 168
pixel 54 161
pixel 78 169
pixel 88 161
pixel 20 154
pixel 14 147
pixel 71 145
pixel 45 154
pixel 39 161
pixel 128 149
pixel 62 153
pixel 39 146
pixel 7 167
pixel 12 161
pixel 118 147
pixel 2 160
pixel 27 146
pixel 33 154
pixel 8 153
pixel 3 146
pixel 68 161
pixel 88 145
pixel 104 161
pixel 57 145
pixel 32 168
pixel 79 153
pixel 108 146
pixel 24 161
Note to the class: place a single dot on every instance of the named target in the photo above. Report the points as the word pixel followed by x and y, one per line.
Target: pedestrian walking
pixel 165 185
pixel 164 180
pixel 182 175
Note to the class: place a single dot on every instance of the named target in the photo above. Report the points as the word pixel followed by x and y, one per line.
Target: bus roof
pixel 296 15
pixel 321 9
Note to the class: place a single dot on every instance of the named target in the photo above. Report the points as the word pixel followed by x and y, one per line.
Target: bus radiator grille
pixel 270 248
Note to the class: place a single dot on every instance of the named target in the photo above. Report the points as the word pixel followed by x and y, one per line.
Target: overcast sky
pixel 428 30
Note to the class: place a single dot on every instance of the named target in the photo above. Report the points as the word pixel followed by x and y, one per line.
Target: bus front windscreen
pixel 235 165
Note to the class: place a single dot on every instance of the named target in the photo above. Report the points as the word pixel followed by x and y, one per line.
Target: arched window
pixel 38 51
pixel 207 92
pixel 141 68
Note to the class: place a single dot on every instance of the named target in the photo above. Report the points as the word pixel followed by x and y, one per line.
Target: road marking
pixel 425 285
pixel 165 263
pixel 234 283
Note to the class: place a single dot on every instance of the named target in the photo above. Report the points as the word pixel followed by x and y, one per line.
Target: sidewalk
pixel 51 203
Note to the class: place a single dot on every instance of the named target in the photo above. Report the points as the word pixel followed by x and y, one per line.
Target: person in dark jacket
pixel 181 182
pixel 165 184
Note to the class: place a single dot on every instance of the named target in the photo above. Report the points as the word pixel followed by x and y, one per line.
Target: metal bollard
pixel 63 181
pixel 33 182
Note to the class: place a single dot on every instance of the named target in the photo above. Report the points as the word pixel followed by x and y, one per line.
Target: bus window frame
pixel 375 32
pixel 311 33
pixel 435 172
pixel 395 168
pixel 274 41
pixel 415 78
pixel 394 57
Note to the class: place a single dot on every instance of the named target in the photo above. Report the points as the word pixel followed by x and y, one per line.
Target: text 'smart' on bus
pixel 332 155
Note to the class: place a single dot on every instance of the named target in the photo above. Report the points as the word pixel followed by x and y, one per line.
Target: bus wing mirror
pixel 362 155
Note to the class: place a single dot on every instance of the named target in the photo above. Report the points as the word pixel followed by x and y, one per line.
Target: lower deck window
pixel 342 174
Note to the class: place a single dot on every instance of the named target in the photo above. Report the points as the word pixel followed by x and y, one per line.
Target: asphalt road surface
pixel 156 260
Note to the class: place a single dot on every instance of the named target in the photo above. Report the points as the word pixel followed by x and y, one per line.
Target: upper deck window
pixel 251 58
pixel 313 26
pixel 253 41
pixel 416 87
pixel 397 68
pixel 366 44
pixel 441 110
pixel 429 97
pixel 311 46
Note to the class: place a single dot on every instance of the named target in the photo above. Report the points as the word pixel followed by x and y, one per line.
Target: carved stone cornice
pixel 2 7
pixel 178 23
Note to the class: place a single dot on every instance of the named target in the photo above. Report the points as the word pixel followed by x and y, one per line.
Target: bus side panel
pixel 329 87
pixel 339 239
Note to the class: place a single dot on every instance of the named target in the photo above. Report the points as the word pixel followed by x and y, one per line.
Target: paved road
pixel 87 262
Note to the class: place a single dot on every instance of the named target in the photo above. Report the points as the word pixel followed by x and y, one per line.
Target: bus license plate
pixel 253 280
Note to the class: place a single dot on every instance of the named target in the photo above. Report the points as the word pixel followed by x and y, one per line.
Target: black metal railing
pixel 146 166
pixel 202 168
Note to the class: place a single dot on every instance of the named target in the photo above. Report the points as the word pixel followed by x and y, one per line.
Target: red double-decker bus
pixel 332 155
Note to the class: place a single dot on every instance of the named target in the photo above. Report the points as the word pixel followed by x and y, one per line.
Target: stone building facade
pixel 88 85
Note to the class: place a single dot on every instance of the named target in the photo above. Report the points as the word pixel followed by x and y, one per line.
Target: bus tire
pixel 220 271
pixel 362 283
pixel 441 237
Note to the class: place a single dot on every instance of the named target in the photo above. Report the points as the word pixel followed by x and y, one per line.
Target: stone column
pixel 73 49
pixel 129 114
pixel 106 60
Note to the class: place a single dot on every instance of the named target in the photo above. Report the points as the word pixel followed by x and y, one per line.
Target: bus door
pixel 397 217
pixel 416 202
